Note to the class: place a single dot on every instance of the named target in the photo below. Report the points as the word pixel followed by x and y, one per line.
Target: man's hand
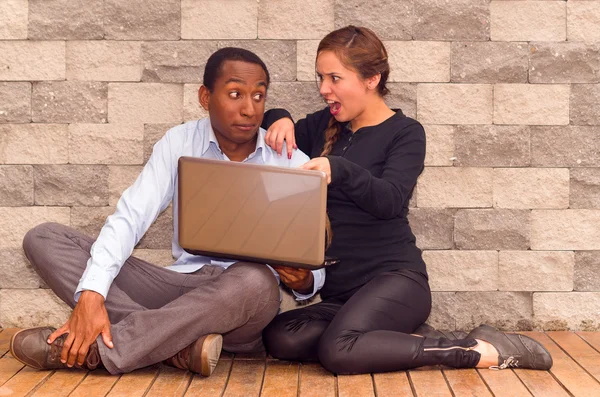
pixel 319 164
pixel 282 129
pixel 88 320
pixel 300 280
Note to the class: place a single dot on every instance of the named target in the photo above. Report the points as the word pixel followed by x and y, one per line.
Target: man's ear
pixel 204 97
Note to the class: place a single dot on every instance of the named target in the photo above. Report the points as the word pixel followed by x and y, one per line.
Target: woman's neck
pixel 375 113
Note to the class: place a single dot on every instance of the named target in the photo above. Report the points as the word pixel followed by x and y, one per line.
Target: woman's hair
pixel 215 62
pixel 360 50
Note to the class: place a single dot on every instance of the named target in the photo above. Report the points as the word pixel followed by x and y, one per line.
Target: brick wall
pixel 507 210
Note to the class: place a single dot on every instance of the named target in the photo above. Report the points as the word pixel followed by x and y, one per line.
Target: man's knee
pixel 34 237
pixel 257 279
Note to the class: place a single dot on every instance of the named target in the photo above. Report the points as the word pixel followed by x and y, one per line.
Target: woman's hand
pixel 282 129
pixel 319 164
pixel 300 280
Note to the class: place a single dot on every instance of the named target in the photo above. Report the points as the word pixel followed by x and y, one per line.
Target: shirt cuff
pixel 94 279
pixel 318 281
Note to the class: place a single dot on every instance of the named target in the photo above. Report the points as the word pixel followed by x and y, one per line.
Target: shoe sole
pixel 211 351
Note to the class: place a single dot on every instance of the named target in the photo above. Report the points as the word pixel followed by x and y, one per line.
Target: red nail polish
pixel 289 156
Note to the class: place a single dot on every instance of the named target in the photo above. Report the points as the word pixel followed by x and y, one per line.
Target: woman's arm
pixel 384 197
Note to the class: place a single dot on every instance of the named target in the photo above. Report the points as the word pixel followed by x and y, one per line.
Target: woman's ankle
pixel 489 354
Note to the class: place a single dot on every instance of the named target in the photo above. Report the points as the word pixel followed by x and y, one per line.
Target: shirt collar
pixel 211 138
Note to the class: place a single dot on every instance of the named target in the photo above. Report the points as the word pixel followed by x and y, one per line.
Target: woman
pixel 378 294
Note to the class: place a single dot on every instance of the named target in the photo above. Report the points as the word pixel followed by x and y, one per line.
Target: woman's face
pixel 343 89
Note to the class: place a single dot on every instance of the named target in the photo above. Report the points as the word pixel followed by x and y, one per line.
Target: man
pixel 130 314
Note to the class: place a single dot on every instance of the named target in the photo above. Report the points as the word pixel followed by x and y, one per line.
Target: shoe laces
pixel 510 362
pixel 56 348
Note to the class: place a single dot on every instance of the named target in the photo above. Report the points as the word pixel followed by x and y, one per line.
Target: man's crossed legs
pixel 156 313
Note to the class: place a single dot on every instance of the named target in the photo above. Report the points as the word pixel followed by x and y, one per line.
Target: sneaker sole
pixel 211 351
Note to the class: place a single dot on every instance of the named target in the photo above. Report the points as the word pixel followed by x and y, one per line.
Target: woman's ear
pixel 373 81
pixel 204 97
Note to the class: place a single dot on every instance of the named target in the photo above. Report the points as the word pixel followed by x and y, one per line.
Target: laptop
pixel 250 212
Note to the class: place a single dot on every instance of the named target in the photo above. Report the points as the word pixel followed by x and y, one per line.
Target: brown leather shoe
pixel 200 357
pixel 29 346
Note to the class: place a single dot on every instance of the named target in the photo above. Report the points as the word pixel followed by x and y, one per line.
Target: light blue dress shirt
pixel 153 191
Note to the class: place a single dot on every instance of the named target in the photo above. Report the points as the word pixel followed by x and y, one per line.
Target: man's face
pixel 237 103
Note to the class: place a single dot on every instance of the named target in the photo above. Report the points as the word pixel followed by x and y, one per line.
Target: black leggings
pixel 367 332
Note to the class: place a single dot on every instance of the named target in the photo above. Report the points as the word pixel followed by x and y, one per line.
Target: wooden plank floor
pixel 576 372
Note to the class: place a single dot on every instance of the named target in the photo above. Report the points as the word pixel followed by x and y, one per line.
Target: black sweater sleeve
pixel 384 197
pixel 272 115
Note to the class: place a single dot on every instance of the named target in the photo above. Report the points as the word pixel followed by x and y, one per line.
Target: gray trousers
pixel 156 312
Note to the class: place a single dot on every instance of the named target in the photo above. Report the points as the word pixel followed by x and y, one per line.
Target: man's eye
pixel 258 97
pixel 234 94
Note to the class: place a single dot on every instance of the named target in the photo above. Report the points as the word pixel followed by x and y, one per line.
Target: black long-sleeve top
pixel 373 174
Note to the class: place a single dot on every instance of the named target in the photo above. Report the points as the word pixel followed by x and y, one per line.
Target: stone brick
pixel 24 308
pixel 452 20
pixel 33 143
pixel 15 102
pixel 584 104
pixel 191 104
pixel 69 102
pixel 89 220
pixel 152 134
pixel 433 227
pixel 32 60
pixel 279 56
pixel 160 234
pixel 156 257
pixel 492 229
pixel 16 185
pixel 564 63
pixel 528 20
pixel 569 146
pixel 466 310
pixel 402 96
pixel 13 19
pixel 536 271
pixel 567 310
pixel 71 185
pixel 119 179
pixel 528 188
pixel 455 187
pixel 104 60
pixel 106 144
pixel 214 19
pixel 130 103
pixel 176 61
pixel 587 271
pixel 419 61
pixel 440 145
pixel 17 221
pixel 390 20
pixel 142 20
pixel 570 229
pixel 489 62
pixel 299 98
pixel 531 104
pixel 492 146
pixel 462 270
pixel 65 20
pixel 290 19
pixel 16 270
pixel 585 188
pixel 454 103
pixel 583 21
pixel 306 54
